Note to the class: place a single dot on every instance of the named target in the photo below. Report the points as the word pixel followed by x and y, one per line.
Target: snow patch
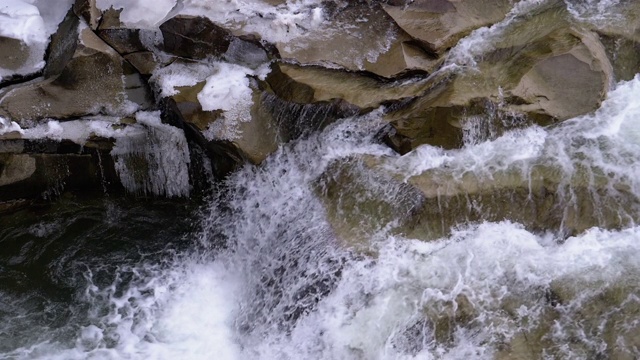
pixel 21 20
pixel 167 79
pixel 140 14
pixel 229 90
pixel 31 22
pixel 7 126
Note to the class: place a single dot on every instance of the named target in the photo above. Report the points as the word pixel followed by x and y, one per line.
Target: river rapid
pixel 257 272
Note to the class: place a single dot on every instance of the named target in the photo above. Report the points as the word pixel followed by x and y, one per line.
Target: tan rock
pixel 566 85
pixel 537 70
pixel 83 76
pixel 441 23
pixel 313 83
pixel 273 120
pixel 15 168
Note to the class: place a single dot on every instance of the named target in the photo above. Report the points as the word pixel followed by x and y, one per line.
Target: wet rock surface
pixel 80 63
pixel 428 205
pixel 407 57
pixel 439 24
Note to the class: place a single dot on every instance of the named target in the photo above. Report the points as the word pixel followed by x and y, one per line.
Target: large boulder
pixel 363 195
pixel 83 76
pixel 370 40
pixel 194 37
pixel 139 46
pixel 534 70
pixel 253 117
pixel 439 24
pixel 305 84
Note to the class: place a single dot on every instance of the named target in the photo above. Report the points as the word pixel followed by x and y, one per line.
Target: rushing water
pixel 262 275
pixel 259 273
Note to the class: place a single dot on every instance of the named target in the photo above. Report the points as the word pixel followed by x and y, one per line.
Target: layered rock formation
pixel 447 73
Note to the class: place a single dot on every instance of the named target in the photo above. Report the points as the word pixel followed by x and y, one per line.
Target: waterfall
pixel 269 279
pixel 521 243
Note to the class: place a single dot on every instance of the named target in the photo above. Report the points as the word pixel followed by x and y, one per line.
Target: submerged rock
pixel 373 200
pixel 597 322
pixel 357 209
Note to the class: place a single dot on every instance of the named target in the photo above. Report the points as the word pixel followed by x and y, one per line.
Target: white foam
pixel 609 137
pixel 489 264
pixel 182 312
pixel 200 320
pixel 595 11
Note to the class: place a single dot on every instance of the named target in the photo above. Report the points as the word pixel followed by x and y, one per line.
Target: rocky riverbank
pixel 160 106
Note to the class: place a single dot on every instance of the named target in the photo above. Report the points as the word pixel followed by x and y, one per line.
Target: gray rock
pixel 194 37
